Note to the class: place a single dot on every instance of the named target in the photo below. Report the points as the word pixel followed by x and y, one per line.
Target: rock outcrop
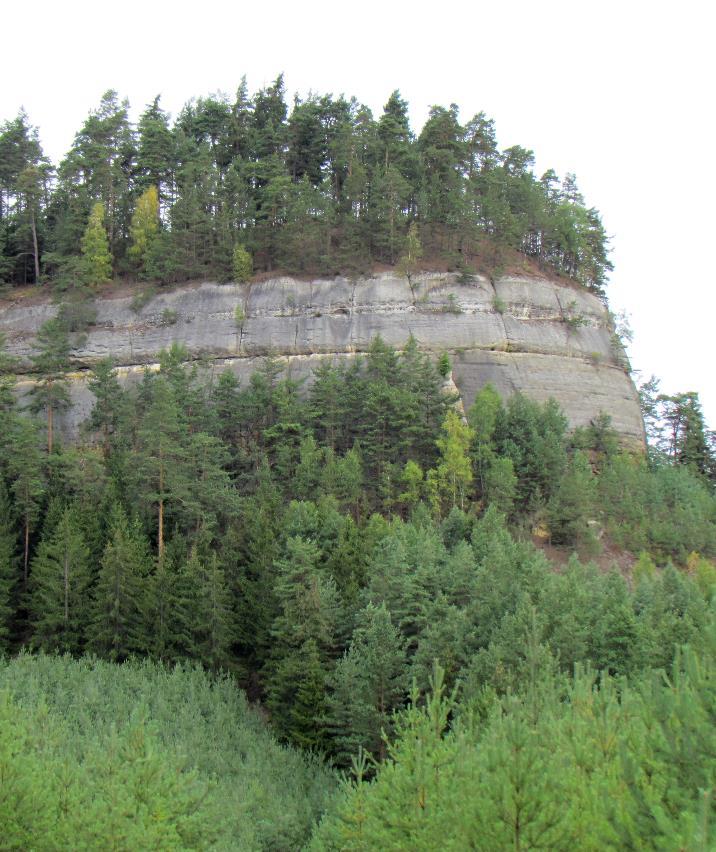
pixel 519 333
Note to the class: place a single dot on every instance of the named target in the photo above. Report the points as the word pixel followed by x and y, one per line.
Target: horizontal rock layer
pixel 528 334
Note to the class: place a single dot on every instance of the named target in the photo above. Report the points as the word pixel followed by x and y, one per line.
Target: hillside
pixel 303 409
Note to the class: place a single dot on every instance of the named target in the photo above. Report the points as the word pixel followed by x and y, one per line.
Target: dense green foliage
pixel 595 763
pixel 322 546
pixel 137 756
pixel 321 188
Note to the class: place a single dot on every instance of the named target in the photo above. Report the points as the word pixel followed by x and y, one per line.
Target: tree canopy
pixel 246 182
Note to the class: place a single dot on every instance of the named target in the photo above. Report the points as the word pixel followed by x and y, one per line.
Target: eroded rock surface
pixel 528 334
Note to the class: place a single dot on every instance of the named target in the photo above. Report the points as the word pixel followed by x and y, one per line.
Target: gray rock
pixel 529 334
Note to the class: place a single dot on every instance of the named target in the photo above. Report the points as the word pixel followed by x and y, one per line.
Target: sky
pixel 620 93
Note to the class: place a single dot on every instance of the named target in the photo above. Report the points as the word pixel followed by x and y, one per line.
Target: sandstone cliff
pixel 519 333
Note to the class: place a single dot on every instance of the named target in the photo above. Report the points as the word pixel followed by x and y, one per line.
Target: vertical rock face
pixel 521 334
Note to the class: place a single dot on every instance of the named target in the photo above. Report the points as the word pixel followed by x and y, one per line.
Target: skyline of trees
pixel 317 187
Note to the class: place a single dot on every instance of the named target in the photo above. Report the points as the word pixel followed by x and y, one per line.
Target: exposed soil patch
pixel 609 558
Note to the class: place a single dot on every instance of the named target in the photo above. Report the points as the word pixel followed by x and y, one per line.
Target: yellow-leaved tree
pixel 96 257
pixel 144 228
pixel 453 475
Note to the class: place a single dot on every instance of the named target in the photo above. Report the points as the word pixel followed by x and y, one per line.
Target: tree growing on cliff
pixel 96 257
pixel 243 265
pixel 409 260
pixel 144 228
pixel 685 437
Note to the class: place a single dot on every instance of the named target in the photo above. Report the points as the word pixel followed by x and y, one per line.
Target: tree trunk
pixel 49 430
pixel 36 251
pixel 160 534
pixel 67 587
pixel 27 548
pixel 160 539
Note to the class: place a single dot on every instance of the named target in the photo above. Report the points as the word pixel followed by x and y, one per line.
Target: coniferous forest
pixel 321 188
pixel 343 615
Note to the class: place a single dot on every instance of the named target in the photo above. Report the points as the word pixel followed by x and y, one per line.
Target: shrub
pixel 452 306
pixel 142 298
pixel 242 264
pixel 498 305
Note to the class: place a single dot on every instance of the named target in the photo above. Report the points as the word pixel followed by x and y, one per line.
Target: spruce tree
pixel 8 568
pixel 27 480
pixel 59 585
pixel 573 503
pixel 167 612
pixel 117 609
pixel 110 405
pixel 52 361
pixel 210 616
pixel 368 684
pixel 156 148
pixel 7 395
pixel 304 642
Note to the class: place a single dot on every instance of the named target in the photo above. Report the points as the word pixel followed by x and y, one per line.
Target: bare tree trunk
pixel 49 430
pixel 160 536
pixel 67 587
pixel 36 251
pixel 27 548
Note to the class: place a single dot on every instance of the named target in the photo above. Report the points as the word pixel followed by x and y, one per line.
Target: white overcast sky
pixel 621 93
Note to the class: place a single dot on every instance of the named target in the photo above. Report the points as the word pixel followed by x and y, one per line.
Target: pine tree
pixel 161 473
pixel 59 583
pixel 524 799
pixel 96 257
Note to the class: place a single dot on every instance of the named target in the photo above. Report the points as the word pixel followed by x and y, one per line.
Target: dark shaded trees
pixel 50 394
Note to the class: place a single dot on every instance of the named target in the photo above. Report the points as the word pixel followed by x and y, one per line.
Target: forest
pixel 343 613
pixel 378 575
pixel 322 188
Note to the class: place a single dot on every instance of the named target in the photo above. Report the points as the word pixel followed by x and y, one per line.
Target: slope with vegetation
pixel 325 548
pixel 321 547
